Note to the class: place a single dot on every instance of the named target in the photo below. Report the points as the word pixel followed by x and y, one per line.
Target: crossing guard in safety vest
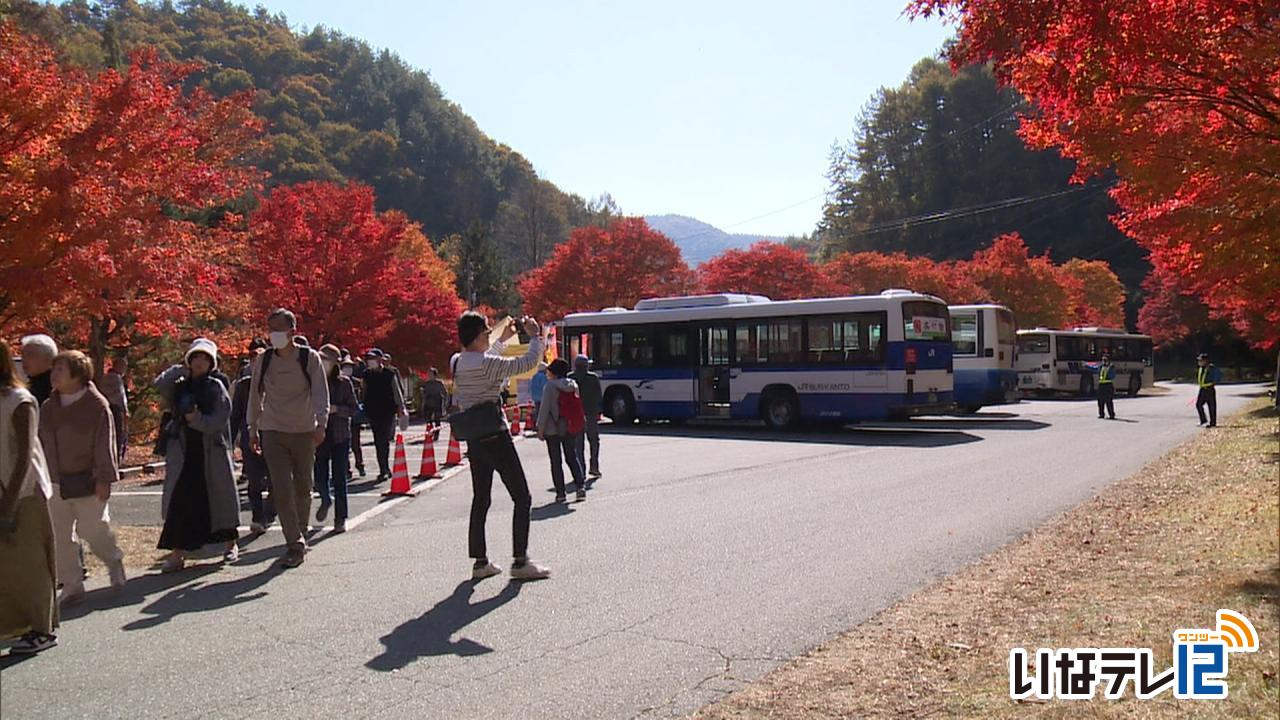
pixel 1107 388
pixel 1207 377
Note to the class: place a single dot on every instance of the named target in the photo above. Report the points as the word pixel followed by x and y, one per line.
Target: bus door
pixel 713 370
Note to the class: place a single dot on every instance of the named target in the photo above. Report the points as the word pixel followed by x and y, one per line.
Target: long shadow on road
pixel 199 597
pixel 430 633
pixel 896 436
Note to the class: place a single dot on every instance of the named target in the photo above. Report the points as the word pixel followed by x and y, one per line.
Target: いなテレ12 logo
pixel 1199 671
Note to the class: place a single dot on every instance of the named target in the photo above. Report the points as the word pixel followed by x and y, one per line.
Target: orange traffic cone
pixel 515 424
pixel 400 472
pixel 455 451
pixel 428 468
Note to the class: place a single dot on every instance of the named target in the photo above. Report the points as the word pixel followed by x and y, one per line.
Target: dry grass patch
pixel 1192 532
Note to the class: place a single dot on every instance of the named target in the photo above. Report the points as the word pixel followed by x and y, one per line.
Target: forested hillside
pixel 942 150
pixel 336 110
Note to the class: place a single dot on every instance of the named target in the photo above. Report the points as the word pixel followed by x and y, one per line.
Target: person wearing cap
pixel 288 415
pixel 253 467
pixel 1207 378
pixel 383 403
pixel 353 369
pixel 200 504
pixel 332 454
pixel 1106 388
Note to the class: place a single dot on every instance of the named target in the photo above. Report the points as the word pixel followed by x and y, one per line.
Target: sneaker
pixel 322 512
pixel 32 643
pixel 560 497
pixel 360 469
pixel 487 570
pixel 116 573
pixel 339 526
pixel 594 475
pixel 294 558
pixel 173 564
pixel 529 571
pixel 232 554
pixel 257 528
pixel 582 495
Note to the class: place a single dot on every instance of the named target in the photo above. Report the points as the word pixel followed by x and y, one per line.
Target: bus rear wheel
pixel 1135 384
pixel 780 410
pixel 620 406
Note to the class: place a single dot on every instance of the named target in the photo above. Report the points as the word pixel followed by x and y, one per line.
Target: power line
pixel 949 137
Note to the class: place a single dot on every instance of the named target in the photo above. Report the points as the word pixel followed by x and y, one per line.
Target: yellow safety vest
pixel 1106 375
pixel 1202 377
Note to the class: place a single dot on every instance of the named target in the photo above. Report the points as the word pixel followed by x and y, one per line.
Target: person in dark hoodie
pixel 558 430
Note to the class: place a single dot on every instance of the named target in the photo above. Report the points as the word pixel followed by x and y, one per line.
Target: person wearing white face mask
pixel 288 414
pixel 331 455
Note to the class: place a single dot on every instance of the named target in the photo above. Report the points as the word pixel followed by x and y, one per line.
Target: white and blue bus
pixel 1066 361
pixel 746 357
pixel 983 339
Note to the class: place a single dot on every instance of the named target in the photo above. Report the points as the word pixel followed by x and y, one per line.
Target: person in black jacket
pixel 252 466
pixel 383 403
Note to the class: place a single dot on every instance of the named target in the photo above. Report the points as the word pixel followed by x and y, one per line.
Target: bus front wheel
pixel 780 409
pixel 620 406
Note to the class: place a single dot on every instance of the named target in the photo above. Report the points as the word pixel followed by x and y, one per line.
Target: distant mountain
pixel 699 241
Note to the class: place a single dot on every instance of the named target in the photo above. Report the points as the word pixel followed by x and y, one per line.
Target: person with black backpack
pixel 560 423
pixel 288 415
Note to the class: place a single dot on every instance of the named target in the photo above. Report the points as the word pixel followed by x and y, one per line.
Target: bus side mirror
pixel 991 352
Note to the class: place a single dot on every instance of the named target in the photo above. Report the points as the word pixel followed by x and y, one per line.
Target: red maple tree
pixel 603 267
pixel 1097 295
pixel 356 277
pixel 867 273
pixel 1029 285
pixel 766 268
pixel 113 186
pixel 1183 100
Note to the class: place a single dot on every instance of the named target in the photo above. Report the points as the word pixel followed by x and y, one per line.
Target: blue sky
pixel 723 111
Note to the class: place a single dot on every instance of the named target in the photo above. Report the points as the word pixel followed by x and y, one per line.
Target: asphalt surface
pixel 704 558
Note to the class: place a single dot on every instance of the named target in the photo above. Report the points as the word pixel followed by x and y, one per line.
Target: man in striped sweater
pixel 479 373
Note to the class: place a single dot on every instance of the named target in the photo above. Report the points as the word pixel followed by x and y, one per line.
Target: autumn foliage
pixel 355 276
pixel 112 185
pixel 866 273
pixel 766 268
pixel 1182 99
pixel 606 267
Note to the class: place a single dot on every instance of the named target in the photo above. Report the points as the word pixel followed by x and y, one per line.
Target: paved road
pixel 140 504
pixel 704 558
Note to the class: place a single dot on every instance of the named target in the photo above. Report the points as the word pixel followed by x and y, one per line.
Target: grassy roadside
pixel 1192 532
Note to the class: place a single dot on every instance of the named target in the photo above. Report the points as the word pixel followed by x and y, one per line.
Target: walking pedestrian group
pixel 295 415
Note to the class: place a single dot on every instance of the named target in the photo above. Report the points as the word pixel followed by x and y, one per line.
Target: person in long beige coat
pixel 28 581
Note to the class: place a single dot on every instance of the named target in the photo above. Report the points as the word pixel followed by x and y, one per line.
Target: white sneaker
pixel 529 571
pixel 115 571
pixel 232 554
pixel 486 571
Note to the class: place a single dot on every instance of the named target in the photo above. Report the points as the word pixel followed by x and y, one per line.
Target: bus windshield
pixel 964 333
pixel 1006 331
pixel 1028 344
pixel 926 321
